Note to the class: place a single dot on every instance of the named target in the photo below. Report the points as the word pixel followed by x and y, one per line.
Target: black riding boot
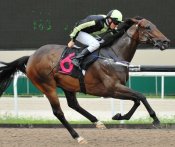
pixel 77 59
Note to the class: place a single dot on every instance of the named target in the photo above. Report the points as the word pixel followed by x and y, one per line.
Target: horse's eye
pixel 148 28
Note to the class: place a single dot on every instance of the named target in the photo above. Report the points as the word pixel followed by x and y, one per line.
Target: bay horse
pixel 104 78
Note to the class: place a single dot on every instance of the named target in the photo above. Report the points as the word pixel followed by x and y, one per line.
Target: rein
pixel 120 62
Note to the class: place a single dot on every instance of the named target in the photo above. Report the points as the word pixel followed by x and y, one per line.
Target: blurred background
pixel 31 24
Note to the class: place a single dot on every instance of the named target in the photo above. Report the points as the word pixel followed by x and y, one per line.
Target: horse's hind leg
pixel 73 103
pixel 126 93
pixel 50 91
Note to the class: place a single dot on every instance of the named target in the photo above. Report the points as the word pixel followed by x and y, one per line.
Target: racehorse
pixel 104 78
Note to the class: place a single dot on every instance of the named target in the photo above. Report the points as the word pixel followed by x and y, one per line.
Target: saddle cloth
pixel 66 66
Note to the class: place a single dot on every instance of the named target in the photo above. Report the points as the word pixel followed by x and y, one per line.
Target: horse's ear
pixel 135 20
pixel 133 29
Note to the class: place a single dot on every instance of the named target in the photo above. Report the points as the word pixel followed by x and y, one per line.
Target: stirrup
pixel 77 57
pixel 80 56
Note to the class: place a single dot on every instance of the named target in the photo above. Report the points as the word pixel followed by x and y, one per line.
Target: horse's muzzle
pixel 162 45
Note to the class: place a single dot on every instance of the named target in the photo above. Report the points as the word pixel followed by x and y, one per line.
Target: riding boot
pixel 77 59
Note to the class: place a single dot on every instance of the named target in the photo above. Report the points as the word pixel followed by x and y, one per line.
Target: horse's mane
pixel 128 23
pixel 138 17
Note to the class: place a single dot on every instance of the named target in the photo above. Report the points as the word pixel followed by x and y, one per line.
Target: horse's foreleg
pixel 73 103
pixel 126 93
pixel 152 113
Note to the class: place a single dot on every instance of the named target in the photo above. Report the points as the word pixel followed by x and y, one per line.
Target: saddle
pixel 66 66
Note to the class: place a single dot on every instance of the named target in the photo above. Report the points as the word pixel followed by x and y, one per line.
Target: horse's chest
pixel 120 75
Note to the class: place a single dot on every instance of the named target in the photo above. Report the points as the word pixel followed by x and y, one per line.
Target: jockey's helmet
pixel 115 15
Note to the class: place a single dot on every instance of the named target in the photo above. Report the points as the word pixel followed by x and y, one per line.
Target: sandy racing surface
pixel 59 137
pixel 50 137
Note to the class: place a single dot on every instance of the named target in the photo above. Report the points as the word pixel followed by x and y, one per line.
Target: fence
pixel 157 80
pixel 156 71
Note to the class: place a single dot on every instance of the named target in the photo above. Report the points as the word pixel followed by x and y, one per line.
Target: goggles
pixel 115 21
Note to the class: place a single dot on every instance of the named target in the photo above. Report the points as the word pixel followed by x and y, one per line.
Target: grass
pixel 9 119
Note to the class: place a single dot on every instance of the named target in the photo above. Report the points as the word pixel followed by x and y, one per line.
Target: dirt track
pixel 59 137
pixel 37 137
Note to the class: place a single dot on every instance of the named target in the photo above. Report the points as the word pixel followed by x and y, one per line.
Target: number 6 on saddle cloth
pixel 66 66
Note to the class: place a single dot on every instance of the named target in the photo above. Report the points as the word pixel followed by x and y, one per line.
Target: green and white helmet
pixel 115 15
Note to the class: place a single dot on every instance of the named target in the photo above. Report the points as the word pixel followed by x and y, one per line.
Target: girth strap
pixel 82 85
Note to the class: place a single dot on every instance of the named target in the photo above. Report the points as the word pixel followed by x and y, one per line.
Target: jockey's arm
pixel 79 27
pixel 110 36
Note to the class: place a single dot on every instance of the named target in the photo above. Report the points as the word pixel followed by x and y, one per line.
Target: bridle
pixel 144 33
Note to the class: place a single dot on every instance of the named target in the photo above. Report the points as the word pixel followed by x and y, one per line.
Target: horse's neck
pixel 125 47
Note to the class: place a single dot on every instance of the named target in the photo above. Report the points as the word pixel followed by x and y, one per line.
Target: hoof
pixel 100 125
pixel 81 140
pixel 117 117
pixel 156 124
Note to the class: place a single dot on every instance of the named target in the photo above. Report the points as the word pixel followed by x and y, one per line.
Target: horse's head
pixel 146 32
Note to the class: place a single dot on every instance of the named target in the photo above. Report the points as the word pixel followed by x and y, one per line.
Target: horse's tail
pixel 7 70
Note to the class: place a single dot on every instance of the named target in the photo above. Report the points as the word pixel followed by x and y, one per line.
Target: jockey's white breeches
pixel 88 40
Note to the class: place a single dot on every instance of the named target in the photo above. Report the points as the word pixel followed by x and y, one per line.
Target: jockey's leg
pixel 83 53
pixel 88 40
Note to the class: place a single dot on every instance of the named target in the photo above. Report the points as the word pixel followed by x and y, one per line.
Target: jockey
pixel 87 30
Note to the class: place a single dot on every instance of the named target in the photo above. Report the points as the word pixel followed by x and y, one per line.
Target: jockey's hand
pixel 71 44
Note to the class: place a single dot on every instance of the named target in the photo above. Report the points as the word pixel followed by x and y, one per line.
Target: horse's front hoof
pixel 156 124
pixel 117 117
pixel 81 140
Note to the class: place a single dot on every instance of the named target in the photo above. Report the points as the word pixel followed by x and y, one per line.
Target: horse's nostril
pixel 161 44
pixel 166 43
